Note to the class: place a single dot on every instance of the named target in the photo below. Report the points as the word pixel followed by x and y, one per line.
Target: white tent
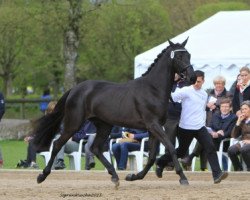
pixel 220 45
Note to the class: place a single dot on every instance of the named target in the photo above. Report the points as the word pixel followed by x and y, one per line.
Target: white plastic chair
pixel 108 154
pixel 135 156
pixel 138 157
pixel 75 157
pixel 47 154
pixel 220 153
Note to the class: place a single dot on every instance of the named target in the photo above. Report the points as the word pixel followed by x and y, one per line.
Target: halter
pixel 172 56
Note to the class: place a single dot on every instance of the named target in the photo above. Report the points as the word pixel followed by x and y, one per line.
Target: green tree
pixel 116 33
pixel 208 10
pixel 12 40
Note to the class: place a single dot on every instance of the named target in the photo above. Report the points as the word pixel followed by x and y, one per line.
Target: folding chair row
pixel 74 157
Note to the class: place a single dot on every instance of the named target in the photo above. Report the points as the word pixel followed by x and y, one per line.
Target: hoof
pixel 130 177
pixel 40 178
pixel 184 182
pixel 116 182
pixel 117 185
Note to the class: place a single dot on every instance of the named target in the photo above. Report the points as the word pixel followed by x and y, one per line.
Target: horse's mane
pixel 155 61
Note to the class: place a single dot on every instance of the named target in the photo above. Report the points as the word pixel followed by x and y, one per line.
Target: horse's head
pixel 181 61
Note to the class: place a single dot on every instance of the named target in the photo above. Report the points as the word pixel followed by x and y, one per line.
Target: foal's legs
pixel 158 132
pixel 152 149
pixel 103 131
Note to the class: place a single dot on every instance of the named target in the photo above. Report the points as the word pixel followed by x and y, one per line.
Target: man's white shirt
pixel 193 114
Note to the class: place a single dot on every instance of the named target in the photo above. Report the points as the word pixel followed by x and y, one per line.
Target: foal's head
pixel 181 61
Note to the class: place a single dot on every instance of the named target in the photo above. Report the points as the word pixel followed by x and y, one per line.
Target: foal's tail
pixel 46 127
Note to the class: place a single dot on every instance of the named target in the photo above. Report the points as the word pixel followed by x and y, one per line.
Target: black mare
pixel 140 103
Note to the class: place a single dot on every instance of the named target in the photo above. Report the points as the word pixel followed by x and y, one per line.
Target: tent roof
pixel 218 45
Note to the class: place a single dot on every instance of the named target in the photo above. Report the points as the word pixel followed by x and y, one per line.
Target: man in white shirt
pixel 192 124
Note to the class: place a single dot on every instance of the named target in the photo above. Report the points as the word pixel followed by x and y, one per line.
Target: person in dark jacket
pixel 44 104
pixel 241 129
pixel 30 161
pixel 242 91
pixel 218 93
pixel 2 111
pixel 2 105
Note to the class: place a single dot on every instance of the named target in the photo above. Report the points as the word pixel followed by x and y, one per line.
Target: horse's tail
pixel 46 127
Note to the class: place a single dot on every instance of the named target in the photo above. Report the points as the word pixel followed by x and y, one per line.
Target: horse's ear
pixel 185 42
pixel 170 43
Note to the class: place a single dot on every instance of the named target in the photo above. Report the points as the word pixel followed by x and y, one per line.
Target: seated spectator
pixel 236 84
pixel 30 161
pixel 242 91
pixel 86 132
pixel 215 96
pixel 130 141
pixel 220 127
pixel 241 129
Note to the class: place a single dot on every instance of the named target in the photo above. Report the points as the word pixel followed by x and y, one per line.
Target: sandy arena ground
pixel 71 185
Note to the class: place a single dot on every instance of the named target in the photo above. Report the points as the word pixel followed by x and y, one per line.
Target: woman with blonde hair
pixel 242 92
pixel 50 107
pixel 215 96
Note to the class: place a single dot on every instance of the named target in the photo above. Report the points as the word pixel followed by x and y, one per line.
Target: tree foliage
pixel 116 34
pixel 210 9
pixel 108 35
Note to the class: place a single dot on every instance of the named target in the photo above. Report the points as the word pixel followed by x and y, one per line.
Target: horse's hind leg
pixel 158 132
pixel 152 149
pixel 56 148
pixel 103 131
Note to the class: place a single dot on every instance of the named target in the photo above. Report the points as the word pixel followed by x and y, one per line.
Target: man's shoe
pixel 22 164
pixel 219 178
pixel 60 165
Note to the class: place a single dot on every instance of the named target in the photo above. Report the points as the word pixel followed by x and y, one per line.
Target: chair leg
pixel 77 162
pixel 71 163
pixel 193 163
pixel 46 158
pixel 107 156
pixel 219 154
pixel 139 162
pixel 131 162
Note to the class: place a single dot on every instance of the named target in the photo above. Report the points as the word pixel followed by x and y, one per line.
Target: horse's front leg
pixel 57 145
pixel 158 132
pixel 152 150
